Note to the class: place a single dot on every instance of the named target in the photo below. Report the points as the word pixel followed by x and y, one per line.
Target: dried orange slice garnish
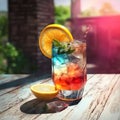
pixel 44 91
pixel 50 33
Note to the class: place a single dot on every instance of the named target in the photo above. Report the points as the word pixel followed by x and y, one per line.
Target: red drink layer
pixel 74 79
pixel 74 83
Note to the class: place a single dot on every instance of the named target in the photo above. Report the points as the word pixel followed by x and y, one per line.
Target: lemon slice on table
pixel 50 33
pixel 44 91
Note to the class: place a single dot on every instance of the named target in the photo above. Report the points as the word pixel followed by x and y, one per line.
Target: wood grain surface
pixel 100 101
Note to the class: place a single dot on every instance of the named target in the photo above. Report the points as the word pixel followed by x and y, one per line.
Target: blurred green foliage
pixel 3 26
pixel 61 14
pixel 12 60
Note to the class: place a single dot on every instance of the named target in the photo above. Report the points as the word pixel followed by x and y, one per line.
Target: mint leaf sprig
pixel 63 47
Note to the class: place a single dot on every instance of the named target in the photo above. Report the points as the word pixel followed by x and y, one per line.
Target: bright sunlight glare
pixel 86 4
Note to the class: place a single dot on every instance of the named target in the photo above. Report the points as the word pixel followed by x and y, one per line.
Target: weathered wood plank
pixel 6 80
pixel 112 107
pixel 29 105
pixel 11 77
pixel 15 113
pixel 61 115
pixel 14 97
pixel 11 107
pixel 15 81
pixel 89 76
pixel 55 116
pixel 101 97
pixel 92 105
pixel 30 109
pixel 58 115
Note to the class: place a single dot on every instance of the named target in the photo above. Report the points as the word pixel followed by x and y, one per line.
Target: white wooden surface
pixel 101 99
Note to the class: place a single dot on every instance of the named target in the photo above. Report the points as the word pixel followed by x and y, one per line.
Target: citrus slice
pixel 50 33
pixel 44 91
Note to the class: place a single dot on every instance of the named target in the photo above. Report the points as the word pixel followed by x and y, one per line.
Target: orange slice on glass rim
pixel 44 91
pixel 53 32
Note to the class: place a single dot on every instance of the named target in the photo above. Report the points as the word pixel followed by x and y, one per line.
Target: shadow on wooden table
pixel 18 81
pixel 36 106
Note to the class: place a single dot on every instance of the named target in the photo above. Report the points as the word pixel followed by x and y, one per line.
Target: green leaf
pixel 63 47
pixel 56 43
pixel 70 51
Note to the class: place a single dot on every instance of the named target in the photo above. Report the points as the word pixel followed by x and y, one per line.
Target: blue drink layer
pixel 58 59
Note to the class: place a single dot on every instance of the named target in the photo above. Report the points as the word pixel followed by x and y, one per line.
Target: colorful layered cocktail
pixel 69 68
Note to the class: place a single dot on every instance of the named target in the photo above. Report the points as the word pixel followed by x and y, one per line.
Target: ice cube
pixel 80 49
pixel 74 59
pixel 63 68
pixel 60 69
pixel 57 60
pixel 54 52
pixel 60 59
pixel 57 70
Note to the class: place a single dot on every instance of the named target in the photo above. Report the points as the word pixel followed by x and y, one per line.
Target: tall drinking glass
pixel 69 69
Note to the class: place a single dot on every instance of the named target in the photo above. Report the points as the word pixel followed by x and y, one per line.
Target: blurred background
pixel 21 21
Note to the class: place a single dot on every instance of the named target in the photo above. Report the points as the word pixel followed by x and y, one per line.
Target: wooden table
pixel 101 99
